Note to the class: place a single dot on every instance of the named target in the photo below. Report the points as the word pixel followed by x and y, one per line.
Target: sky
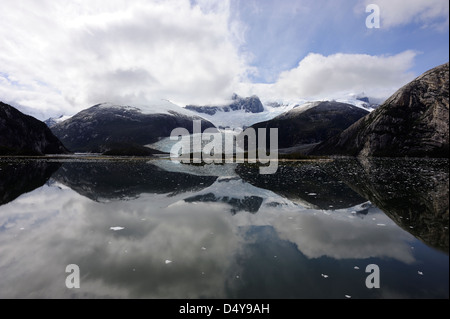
pixel 59 57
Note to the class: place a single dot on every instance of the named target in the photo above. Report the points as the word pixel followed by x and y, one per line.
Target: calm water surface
pixel 156 229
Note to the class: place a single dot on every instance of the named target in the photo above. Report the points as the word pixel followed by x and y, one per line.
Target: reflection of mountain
pixel 308 184
pixel 414 193
pixel 240 195
pixel 126 179
pixel 17 178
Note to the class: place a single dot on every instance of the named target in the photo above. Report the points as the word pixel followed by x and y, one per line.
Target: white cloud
pixel 318 76
pixel 63 56
pixel 81 53
pixel 428 13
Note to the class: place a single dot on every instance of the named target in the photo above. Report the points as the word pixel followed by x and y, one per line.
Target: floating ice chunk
pixel 203 248
pixel 356 267
pixel 312 194
pixel 21 228
pixel 420 273
pixel 167 261
pixel 348 296
pixel 324 276
pixel 116 228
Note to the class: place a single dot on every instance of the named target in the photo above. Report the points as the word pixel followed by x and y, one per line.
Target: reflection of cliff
pixel 126 179
pixel 306 183
pixel 413 192
pixel 19 177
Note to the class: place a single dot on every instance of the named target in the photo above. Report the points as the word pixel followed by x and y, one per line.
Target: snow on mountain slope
pixel 272 108
pixel 55 120
pixel 153 107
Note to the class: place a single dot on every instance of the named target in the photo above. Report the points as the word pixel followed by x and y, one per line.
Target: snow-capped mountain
pixel 107 126
pixel 52 121
pixel 244 112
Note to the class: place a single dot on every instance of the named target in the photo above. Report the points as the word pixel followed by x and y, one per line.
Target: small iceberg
pixel 116 228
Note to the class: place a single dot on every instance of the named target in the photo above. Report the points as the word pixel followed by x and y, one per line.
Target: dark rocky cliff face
pixel 413 122
pixel 21 134
pixel 100 129
pixel 313 125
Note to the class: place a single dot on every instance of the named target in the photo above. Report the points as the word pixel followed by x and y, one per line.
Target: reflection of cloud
pixel 354 238
pixel 338 234
pixel 203 241
pixel 126 263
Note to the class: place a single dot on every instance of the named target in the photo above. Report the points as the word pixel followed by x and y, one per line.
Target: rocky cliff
pixel 412 122
pixel 22 134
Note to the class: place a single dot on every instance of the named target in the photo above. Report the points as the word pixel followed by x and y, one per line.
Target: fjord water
pixel 157 229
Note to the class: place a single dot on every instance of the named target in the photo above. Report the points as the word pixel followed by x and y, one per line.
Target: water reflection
pixel 101 180
pixel 18 177
pixel 225 236
pixel 412 192
pixel 305 183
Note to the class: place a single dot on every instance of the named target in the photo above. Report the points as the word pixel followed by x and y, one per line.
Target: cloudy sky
pixel 58 57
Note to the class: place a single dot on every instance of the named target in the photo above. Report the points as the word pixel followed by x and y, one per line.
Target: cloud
pixel 319 76
pixel 428 13
pixel 81 53
pixel 38 242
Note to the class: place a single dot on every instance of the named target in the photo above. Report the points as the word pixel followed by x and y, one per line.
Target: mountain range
pixel 412 122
